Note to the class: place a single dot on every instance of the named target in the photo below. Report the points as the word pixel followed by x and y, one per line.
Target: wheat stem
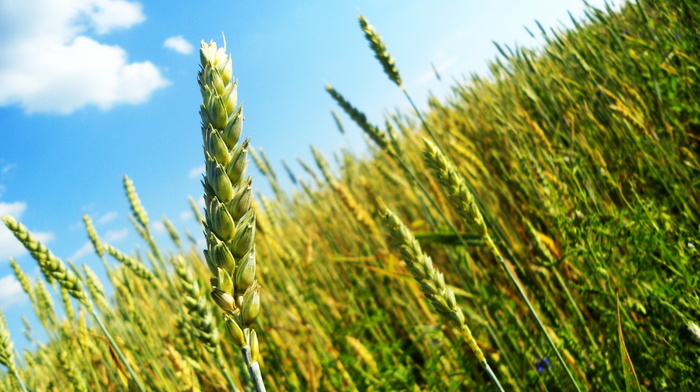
pixel 432 283
pixel 463 201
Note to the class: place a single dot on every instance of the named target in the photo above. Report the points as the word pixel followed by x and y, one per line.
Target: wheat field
pixel 538 230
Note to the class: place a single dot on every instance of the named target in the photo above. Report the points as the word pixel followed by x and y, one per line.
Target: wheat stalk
pixel 390 68
pixel 463 201
pixel 230 220
pixel 432 283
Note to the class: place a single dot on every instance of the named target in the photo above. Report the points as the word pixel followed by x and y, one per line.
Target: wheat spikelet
pixel 380 51
pixel 363 353
pixel 44 305
pixel 93 236
pixel 137 267
pixel 432 284
pixel 183 371
pixel 360 213
pixel 135 203
pixel 23 279
pixel 196 211
pixel 51 266
pixel 322 165
pixel 230 220
pixel 97 291
pixel 65 298
pixel 172 231
pixel 360 119
pixel 198 309
pixel 7 351
pixel 338 123
pixel 7 348
pixel 463 201
pixel 71 373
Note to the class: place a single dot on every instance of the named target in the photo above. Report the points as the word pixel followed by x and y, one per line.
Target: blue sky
pixel 91 90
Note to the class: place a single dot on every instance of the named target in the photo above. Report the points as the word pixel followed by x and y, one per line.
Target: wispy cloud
pixel 84 250
pixel 7 167
pixel 10 292
pixel 116 235
pixel 50 64
pixel 14 209
pixel 178 44
pixel 196 172
pixel 186 215
pixel 106 218
pixel 158 227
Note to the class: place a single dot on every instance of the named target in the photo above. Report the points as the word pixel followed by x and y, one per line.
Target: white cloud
pixel 84 250
pixel 13 209
pixel 9 245
pixel 10 292
pixel 116 235
pixel 178 44
pixel 186 215
pixel 49 65
pixel 111 14
pixel 196 172
pixel 7 167
pixel 159 227
pixel 106 218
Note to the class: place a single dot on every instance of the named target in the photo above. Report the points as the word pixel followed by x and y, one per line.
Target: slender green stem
pixel 222 365
pixel 497 253
pixel 253 369
pixel 19 380
pixel 121 356
pixel 492 375
pixel 422 120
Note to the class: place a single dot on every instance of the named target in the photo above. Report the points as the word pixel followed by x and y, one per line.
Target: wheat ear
pixel 23 279
pixel 432 283
pixel 54 269
pixel 380 51
pixel 463 201
pixel 390 68
pixel 7 351
pixel 360 119
pixel 51 266
pixel 137 267
pixel 200 314
pixel 230 220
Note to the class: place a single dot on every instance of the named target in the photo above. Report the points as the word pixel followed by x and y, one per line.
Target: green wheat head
pixel 360 119
pixel 52 267
pixel 7 348
pixel 380 51
pixel 230 220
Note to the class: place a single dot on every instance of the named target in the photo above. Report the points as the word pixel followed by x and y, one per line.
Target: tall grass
pixel 581 160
